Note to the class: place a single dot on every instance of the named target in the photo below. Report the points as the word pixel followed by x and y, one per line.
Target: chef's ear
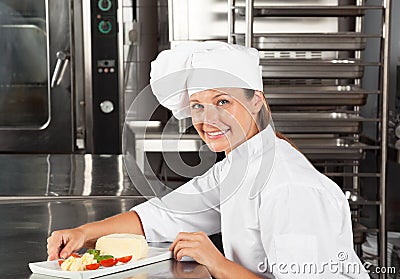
pixel 257 101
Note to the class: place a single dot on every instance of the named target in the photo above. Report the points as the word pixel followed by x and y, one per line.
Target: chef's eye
pixel 196 106
pixel 222 102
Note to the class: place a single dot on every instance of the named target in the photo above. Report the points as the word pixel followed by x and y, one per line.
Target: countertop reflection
pixel 164 269
pixel 67 175
pixel 26 225
pixel 43 193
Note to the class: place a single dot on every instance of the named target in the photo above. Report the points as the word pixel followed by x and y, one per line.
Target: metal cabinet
pixel 60 76
pixel 35 77
pixel 314 85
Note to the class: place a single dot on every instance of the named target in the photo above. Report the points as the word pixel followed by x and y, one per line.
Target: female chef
pixel 277 214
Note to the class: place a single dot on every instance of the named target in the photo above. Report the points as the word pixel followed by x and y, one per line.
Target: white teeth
pixel 217 133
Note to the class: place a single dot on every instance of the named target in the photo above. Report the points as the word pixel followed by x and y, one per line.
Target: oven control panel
pixel 105 98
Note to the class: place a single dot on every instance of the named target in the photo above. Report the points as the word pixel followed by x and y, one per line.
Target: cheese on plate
pixel 121 245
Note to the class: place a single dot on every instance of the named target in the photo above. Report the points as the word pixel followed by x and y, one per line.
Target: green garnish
pixel 103 257
pixel 94 252
pixel 97 256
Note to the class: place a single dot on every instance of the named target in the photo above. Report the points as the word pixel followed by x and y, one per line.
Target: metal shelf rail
pixel 316 99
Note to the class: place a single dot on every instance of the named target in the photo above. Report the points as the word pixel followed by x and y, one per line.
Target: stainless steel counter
pixel 43 193
pixel 66 175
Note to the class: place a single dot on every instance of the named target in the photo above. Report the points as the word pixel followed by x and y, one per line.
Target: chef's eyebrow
pixel 219 95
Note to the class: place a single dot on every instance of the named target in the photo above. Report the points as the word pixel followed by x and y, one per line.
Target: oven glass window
pixel 24 90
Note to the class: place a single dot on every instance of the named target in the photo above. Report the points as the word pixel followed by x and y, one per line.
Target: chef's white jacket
pixel 277 214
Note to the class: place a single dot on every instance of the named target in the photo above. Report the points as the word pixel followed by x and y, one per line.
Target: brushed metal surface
pixel 26 226
pixel 25 39
pixel 323 146
pixel 308 10
pixel 318 122
pixel 185 16
pixel 317 149
pixel 316 95
pixel 66 176
pixel 48 32
pixel 43 193
pixel 306 41
pixel 310 68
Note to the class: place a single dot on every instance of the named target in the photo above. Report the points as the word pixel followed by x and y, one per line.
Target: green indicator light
pixel 104 5
pixel 105 26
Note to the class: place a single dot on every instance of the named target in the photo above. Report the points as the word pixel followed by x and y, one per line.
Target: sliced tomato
pixel 124 259
pixel 76 255
pixel 60 262
pixel 93 266
pixel 108 262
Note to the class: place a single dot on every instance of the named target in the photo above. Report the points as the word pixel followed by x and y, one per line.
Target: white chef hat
pixel 196 66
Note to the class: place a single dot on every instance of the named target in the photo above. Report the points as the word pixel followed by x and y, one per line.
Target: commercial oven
pixel 60 85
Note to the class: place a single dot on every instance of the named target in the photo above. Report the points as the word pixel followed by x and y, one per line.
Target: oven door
pixel 35 77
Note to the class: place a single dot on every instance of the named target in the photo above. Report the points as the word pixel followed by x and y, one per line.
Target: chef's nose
pixel 211 114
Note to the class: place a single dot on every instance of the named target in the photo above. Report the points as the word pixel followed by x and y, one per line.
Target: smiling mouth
pixel 216 134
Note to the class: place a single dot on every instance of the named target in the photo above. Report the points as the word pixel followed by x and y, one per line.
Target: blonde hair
pixel 263 116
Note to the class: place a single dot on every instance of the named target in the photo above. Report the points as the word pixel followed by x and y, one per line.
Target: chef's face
pixel 225 117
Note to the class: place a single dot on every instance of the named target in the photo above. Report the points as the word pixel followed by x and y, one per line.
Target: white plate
pixel 52 268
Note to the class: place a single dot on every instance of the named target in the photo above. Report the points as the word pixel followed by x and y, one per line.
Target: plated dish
pixel 52 268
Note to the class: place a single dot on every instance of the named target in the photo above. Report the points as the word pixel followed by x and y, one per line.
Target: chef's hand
pixel 62 243
pixel 198 246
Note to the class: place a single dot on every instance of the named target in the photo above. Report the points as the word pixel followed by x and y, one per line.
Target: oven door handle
pixel 59 70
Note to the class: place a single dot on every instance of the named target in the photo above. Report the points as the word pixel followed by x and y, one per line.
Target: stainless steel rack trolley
pixel 314 85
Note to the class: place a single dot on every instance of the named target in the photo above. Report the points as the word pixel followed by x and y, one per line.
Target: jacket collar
pixel 258 154
pixel 258 144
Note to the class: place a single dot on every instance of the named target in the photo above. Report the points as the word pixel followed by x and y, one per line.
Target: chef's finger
pixel 53 253
pixel 183 244
pixel 54 243
pixel 187 251
pixel 179 237
pixel 70 247
pixel 193 236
